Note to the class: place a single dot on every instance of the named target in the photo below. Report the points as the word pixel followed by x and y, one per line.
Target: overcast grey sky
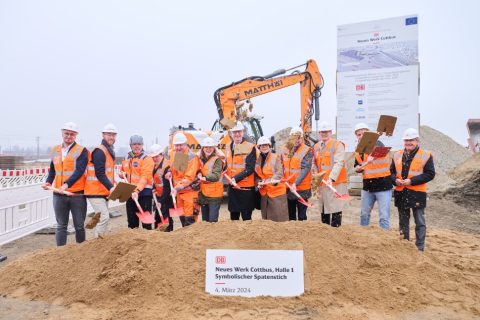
pixel 148 65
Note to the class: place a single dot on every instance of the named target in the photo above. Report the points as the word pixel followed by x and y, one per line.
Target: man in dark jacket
pixel 411 169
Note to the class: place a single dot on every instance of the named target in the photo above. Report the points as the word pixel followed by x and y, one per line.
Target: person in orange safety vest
pixel 269 167
pixel 330 158
pixel 137 168
pixel 184 179
pixel 100 179
pixel 67 176
pixel 411 169
pixel 377 185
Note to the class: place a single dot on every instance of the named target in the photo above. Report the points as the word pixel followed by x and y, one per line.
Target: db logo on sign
pixel 220 259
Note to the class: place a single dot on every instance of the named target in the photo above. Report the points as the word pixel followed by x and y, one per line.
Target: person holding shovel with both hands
pixel 183 177
pixel 330 158
pixel 377 185
pixel 67 179
pixel 100 180
pixel 137 169
pixel 241 156
pixel 211 185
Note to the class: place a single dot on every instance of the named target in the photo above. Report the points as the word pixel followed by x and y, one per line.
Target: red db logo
pixel 220 259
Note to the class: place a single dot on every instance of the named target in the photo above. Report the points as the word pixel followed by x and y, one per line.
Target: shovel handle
pixel 330 186
pixel 291 190
pixel 173 197
pixel 138 206
pixel 67 193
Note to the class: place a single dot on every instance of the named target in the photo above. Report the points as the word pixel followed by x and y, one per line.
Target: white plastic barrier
pixel 24 210
pixel 24 206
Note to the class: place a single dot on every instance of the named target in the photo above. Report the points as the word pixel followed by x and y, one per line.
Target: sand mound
pixel 351 272
pixel 466 190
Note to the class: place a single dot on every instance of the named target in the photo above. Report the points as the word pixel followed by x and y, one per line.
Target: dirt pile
pixel 351 272
pixel 466 190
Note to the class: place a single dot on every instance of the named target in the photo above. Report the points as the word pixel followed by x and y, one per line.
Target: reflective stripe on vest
pixel 267 172
pixel 157 177
pixel 416 168
pixel 324 159
pixel 65 168
pixel 292 167
pixel 208 188
pixel 134 171
pixel 378 168
pixel 92 185
pixel 236 164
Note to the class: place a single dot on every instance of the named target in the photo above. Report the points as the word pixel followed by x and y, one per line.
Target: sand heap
pixel 466 190
pixel 350 272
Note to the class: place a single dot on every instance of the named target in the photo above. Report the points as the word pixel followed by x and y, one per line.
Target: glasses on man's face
pixel 263 145
pixel 66 133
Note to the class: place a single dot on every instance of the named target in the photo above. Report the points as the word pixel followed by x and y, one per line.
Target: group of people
pixel 257 177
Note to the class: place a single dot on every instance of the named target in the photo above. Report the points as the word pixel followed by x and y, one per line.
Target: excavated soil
pixel 350 273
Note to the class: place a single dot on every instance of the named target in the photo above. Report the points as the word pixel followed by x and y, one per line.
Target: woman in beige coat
pixel 268 168
pixel 330 157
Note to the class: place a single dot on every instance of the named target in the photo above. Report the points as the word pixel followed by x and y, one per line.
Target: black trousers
pixel 146 204
pixel 166 215
pixel 420 225
pixel 246 215
pixel 335 221
pixel 293 207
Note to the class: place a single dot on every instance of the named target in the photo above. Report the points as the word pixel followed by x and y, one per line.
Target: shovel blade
pixel 145 217
pixel 176 212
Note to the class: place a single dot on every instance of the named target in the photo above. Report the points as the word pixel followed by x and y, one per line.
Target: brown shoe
pixel 93 221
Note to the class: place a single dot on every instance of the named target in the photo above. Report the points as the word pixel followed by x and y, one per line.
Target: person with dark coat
pixel 412 168
pixel 241 156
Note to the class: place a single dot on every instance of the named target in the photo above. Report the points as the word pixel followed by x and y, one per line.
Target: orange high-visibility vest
pixel 64 169
pixel 208 188
pixel 292 167
pixel 186 178
pixel 416 168
pixel 139 171
pixel 157 176
pixel 324 160
pixel 267 172
pixel 93 187
pixel 379 168
pixel 236 164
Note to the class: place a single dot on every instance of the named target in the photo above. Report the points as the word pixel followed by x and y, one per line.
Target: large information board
pixel 377 73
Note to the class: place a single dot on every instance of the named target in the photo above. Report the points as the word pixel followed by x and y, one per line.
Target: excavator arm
pixel 229 99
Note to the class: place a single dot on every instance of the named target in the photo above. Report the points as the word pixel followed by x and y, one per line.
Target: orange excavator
pixel 233 101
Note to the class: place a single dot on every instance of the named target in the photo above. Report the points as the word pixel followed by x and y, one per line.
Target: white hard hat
pixel 155 150
pixel 179 138
pixel 238 127
pixel 110 128
pixel 208 142
pixel 70 126
pixel 296 130
pixel 410 133
pixel 263 140
pixel 325 126
pixel 361 125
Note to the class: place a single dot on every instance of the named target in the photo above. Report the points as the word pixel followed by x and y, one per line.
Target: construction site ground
pixel 351 272
pixel 453 233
